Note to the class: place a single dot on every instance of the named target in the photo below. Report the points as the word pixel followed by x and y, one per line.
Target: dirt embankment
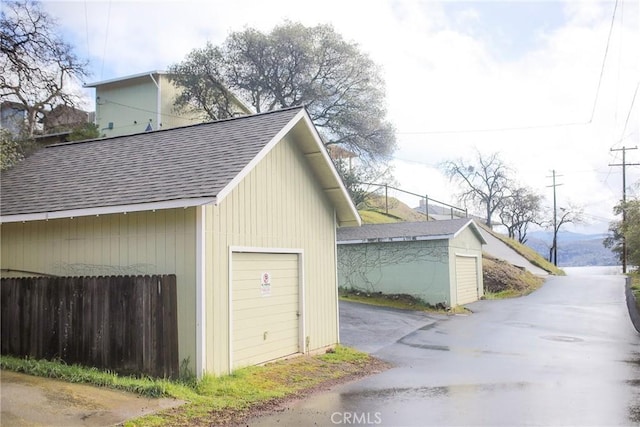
pixel 499 277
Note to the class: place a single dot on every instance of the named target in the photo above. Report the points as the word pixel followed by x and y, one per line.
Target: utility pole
pixel 554 248
pixel 624 165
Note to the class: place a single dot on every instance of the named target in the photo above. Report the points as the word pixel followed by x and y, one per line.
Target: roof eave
pixel 107 210
pixel 396 239
pixel 123 78
pixel 471 223
pixel 346 212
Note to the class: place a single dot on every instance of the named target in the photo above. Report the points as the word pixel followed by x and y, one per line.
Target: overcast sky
pixel 518 78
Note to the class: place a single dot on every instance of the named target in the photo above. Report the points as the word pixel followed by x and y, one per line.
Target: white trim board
pixel 107 210
pixel 201 280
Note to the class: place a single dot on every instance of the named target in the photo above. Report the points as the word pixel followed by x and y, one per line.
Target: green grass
pixel 78 374
pixel 214 400
pixel 374 217
pixel 635 286
pixel 400 301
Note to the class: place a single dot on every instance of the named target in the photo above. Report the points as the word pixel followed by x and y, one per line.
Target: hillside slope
pixel 511 251
pixel 379 211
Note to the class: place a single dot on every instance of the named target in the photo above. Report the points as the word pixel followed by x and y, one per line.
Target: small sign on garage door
pixel 265 284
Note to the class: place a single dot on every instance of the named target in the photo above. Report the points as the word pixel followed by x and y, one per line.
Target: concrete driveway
pixel 36 401
pixel 565 355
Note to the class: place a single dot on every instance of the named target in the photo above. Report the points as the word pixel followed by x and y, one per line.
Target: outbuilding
pixel 243 211
pixel 439 262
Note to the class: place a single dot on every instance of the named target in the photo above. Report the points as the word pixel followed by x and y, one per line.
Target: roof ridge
pixel 228 119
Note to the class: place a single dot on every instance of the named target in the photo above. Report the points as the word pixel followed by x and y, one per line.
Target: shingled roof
pixel 186 166
pixel 406 231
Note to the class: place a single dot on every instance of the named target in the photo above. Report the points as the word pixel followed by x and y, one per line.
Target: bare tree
pixel 36 64
pixel 485 182
pixel 521 209
pixel 570 215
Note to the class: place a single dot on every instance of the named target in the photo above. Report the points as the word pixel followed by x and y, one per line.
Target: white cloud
pixel 445 69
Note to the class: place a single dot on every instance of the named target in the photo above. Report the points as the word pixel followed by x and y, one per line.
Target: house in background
pixel 54 127
pixel 64 118
pixel 13 116
pixel 141 103
pixel 439 262
pixel 243 211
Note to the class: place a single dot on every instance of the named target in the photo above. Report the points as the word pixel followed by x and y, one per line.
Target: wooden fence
pixel 127 324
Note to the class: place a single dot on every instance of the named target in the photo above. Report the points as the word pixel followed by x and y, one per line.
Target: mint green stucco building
pixel 439 262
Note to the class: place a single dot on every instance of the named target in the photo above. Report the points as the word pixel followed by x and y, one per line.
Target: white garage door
pixel 466 279
pixel 265 307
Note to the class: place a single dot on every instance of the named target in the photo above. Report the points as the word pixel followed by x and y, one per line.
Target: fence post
pixel 426 206
pixel 386 199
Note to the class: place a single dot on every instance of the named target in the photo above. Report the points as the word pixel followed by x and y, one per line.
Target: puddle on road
pixel 561 338
pixel 424 346
pixel 406 393
pixel 520 324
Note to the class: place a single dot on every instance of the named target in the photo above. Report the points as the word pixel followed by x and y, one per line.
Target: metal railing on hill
pixel 444 208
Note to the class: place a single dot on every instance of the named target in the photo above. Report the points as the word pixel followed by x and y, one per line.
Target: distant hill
pixel 574 249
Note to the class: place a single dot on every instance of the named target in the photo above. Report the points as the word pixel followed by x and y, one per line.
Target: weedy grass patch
pixel 400 301
pixel 635 286
pixel 217 400
pixel 144 386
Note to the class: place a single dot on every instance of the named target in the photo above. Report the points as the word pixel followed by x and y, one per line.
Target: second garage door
pixel 466 279
pixel 265 306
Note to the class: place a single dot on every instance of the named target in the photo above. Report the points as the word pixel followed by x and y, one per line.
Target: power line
pixel 604 60
pixel 107 101
pixel 502 129
pixel 86 27
pixel 626 122
pixel 106 37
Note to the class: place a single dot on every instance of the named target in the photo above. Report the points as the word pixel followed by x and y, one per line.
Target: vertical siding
pixel 277 205
pixel 125 103
pixel 170 116
pixel 161 242
pixel 419 268
pixel 136 100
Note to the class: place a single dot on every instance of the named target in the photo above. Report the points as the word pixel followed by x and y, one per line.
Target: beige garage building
pixel 242 211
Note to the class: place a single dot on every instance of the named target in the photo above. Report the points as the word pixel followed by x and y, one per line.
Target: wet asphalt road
pixel 566 355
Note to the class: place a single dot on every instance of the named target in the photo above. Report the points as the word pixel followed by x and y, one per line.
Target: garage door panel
pixel 276 291
pixel 466 279
pixel 255 301
pixel 265 326
pixel 288 275
pixel 245 358
pixel 261 315
pixel 282 338
pixel 284 261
